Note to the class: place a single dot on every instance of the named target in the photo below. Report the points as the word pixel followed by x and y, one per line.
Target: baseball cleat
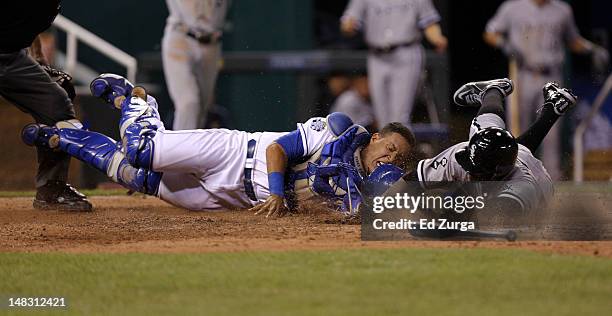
pixel 110 88
pixel 470 94
pixel 561 99
pixel 59 195
pixel 40 135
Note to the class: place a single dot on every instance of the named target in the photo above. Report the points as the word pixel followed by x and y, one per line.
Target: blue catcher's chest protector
pixel 319 171
pixel 345 149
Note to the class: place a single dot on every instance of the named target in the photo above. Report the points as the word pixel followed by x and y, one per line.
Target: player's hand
pixel 273 206
pixel 441 44
pixel 348 26
pixel 600 58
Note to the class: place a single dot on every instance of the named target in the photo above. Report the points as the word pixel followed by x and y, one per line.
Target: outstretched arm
pixel 276 160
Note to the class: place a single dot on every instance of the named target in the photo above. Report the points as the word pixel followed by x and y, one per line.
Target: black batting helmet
pixel 490 154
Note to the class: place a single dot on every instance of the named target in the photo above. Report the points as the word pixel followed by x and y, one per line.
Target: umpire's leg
pixel 24 83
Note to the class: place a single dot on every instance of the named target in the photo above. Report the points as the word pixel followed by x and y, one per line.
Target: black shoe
pixel 59 195
pixel 561 99
pixel 470 94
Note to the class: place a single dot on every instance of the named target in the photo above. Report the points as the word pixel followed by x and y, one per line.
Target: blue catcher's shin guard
pixel 103 153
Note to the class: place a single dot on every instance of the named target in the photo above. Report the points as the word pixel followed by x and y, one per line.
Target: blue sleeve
pixel 292 144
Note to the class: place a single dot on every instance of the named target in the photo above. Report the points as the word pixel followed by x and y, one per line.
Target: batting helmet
pixel 491 154
pixel 382 178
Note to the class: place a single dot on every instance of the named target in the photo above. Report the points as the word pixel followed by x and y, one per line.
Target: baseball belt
pixel 248 170
pixel 542 70
pixel 204 38
pixel 200 36
pixel 389 48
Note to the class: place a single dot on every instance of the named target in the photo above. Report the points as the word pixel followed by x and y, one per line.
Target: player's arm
pixel 494 39
pixel 433 34
pixel 352 18
pixel 600 55
pixel 36 52
pixel 286 149
pixel 276 160
pixel 497 29
pixel 428 20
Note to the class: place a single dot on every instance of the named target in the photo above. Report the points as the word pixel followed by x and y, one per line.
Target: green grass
pixel 354 282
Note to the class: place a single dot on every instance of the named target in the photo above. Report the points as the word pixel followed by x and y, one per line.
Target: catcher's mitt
pixel 63 79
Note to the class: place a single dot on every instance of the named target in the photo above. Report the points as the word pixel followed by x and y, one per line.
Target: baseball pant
pixel 25 84
pixel 529 87
pixel 202 169
pixel 394 80
pixel 190 69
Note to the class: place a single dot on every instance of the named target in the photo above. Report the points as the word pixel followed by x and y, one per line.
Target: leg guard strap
pixel 139 146
pixel 136 179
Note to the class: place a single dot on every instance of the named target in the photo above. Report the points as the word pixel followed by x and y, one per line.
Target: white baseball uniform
pixel 529 183
pixel 205 169
pixel 191 67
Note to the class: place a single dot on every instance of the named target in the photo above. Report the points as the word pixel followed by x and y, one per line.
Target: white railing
pixel 581 129
pixel 75 33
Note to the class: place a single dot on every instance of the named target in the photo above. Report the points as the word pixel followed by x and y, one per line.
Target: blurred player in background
pixel 331 87
pixel 535 33
pixel 191 54
pixel 29 83
pixel 393 30
pixel 356 103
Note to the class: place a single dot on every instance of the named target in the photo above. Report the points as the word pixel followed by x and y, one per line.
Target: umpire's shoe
pixel 470 94
pixel 561 99
pixel 55 194
pixel 111 88
pixel 59 195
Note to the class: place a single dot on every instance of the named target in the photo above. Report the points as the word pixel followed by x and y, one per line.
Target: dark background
pixel 274 101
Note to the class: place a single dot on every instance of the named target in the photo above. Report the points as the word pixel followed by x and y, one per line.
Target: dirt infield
pixel 138 224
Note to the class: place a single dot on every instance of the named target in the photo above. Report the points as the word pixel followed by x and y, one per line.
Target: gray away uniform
pixel 394 75
pixel 538 36
pixel 191 66
pixel 529 183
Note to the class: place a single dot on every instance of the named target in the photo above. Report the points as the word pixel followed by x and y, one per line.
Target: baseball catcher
pixel 210 169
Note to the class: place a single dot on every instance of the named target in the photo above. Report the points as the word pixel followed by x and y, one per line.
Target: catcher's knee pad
pixel 136 179
pixel 139 145
pixel 39 135
pixel 46 136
